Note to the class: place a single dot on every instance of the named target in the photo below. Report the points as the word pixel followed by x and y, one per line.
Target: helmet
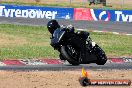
pixel 52 26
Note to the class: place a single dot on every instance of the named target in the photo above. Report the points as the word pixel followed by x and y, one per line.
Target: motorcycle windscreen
pixel 57 36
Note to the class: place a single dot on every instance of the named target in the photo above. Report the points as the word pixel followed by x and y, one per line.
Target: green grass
pixel 25 42
pixel 21 41
pixel 74 5
pixel 114 45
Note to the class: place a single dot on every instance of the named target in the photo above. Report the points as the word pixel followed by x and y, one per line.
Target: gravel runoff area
pixel 58 79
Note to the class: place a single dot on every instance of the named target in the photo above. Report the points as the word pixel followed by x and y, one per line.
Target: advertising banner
pixel 65 13
pixel 102 15
pixel 36 12
pixel 82 14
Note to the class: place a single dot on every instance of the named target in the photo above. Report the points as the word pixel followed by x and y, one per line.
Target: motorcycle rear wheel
pixel 101 56
pixel 101 61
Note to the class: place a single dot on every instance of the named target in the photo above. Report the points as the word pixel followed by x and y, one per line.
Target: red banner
pixel 82 14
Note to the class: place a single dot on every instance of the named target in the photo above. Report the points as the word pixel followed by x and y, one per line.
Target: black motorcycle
pixel 77 47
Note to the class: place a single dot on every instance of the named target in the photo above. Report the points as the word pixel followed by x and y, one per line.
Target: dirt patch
pixel 57 79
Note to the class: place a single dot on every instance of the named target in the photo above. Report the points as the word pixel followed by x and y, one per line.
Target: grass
pixel 22 41
pixel 110 4
pixel 114 45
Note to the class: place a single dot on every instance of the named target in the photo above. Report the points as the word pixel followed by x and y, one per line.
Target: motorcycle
pixel 77 47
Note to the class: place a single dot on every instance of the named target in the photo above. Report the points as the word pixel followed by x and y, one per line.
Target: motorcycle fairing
pixel 57 37
pixel 80 44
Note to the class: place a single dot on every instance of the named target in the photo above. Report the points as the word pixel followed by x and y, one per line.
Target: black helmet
pixel 52 25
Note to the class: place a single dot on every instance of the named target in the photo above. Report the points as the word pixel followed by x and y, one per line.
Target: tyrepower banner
pixel 102 15
pixel 36 12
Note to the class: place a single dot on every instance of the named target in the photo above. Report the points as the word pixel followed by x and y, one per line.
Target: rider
pixel 53 25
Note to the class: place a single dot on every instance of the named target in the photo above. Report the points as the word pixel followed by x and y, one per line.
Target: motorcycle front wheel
pixel 71 54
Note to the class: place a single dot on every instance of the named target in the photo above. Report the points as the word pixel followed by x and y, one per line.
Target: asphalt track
pixel 62 67
pixel 120 27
